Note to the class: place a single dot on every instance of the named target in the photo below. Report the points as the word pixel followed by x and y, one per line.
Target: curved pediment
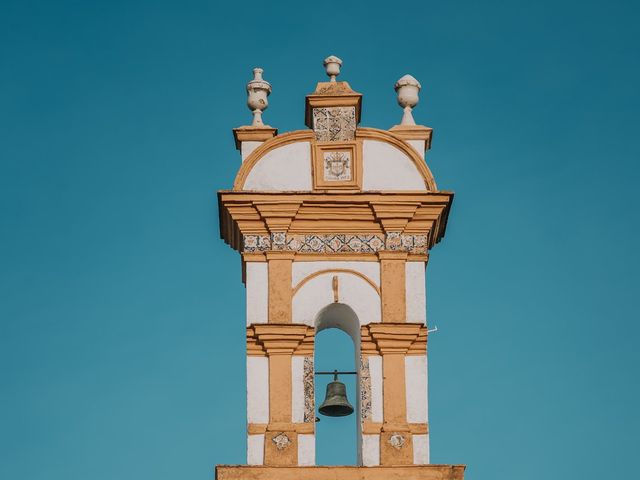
pixel 375 160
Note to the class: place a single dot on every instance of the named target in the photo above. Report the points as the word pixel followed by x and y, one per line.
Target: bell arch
pixel 342 317
pixel 324 287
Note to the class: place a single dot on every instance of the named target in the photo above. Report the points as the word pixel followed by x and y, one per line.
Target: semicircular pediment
pixel 376 160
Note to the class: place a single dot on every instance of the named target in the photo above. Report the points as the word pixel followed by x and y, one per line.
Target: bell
pixel 335 401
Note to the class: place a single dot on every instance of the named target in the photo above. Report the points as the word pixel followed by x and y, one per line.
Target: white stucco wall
pixel 297 389
pixel 353 291
pixel 385 167
pixel 421 449
pixel 418 146
pixel 284 169
pixel 416 387
pixel 258 389
pixel 306 449
pixel 370 450
pixel 300 270
pixel 416 292
pixel 255 449
pixel 247 147
pixel 375 370
pixel 257 285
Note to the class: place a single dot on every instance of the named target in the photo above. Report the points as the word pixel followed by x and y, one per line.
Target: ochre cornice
pixel 383 472
pixel 253 134
pixel 390 338
pixel 279 339
pixel 265 214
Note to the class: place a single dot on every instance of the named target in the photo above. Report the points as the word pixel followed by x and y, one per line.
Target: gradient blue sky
pixel 122 312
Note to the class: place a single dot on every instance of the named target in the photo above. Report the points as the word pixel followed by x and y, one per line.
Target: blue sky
pixel 122 312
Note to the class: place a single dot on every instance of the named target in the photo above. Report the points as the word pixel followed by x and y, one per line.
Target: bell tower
pixel 334 225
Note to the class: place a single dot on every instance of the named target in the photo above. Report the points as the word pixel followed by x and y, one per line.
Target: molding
pixel 280 339
pixel 338 256
pixel 413 132
pixel 317 165
pixel 382 472
pixel 335 270
pixel 269 217
pixel 332 94
pixel 372 428
pixel 392 255
pixel 393 338
pixel 253 134
pixel 260 428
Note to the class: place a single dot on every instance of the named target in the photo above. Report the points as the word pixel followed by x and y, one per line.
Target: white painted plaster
pixel 306 450
pixel 297 389
pixel 246 148
pixel 418 146
pixel 421 449
pixel 415 292
pixel 257 284
pixel 375 370
pixel 416 386
pixel 370 450
pixel 301 270
pixel 255 449
pixel 426 385
pixel 284 169
pixel 352 291
pixel 258 389
pixel 386 167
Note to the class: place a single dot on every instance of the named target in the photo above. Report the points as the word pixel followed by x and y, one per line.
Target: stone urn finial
pixel 407 89
pixel 258 90
pixel 332 65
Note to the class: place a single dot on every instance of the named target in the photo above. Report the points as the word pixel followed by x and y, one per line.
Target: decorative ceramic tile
pixel 334 124
pixel 309 402
pixel 337 165
pixel 365 388
pixel 338 243
pixel 393 241
pixel 281 440
pixel 256 243
pixel 397 441
pixel 278 241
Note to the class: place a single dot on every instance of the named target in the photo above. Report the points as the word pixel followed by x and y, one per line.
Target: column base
pixel 390 472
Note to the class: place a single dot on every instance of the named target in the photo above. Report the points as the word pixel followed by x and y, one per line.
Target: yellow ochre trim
pixel 308 136
pixel 266 147
pixel 335 270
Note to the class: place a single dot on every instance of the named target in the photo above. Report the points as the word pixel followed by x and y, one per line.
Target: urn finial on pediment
pixel 407 89
pixel 258 90
pixel 332 65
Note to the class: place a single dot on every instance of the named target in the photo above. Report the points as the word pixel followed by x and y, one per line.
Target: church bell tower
pixel 334 225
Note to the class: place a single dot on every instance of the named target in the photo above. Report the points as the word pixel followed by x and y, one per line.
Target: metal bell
pixel 335 402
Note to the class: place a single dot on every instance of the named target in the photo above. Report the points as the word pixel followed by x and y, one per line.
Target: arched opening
pixel 337 347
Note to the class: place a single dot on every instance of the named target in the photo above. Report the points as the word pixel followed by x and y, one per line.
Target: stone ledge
pixel 399 472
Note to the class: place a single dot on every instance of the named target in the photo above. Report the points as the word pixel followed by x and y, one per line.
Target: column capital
pixel 394 338
pixel 280 339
